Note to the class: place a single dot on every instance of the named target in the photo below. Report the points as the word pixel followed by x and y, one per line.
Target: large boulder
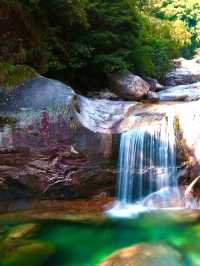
pixel 144 255
pixel 129 86
pixel 38 92
pixel 185 72
pixel 57 145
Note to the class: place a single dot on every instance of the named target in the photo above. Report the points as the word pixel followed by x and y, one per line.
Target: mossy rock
pixel 23 230
pixel 14 75
pixel 32 253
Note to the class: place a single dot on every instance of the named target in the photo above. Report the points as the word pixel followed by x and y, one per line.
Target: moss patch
pixel 13 75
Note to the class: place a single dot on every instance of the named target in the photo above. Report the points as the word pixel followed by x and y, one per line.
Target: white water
pixel 147 160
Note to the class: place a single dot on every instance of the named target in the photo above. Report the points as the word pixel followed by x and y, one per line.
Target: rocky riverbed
pixel 56 144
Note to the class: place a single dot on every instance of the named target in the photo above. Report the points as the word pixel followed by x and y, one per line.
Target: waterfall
pixel 147 159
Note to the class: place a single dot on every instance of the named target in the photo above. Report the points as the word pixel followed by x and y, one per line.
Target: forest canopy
pixel 81 41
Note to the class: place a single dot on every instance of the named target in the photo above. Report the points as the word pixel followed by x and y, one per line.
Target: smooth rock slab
pixel 105 116
pixel 144 255
pixel 189 92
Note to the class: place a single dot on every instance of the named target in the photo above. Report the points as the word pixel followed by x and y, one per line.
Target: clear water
pixel 87 243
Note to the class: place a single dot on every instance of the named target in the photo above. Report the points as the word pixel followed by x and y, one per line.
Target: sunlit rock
pixel 129 86
pixel 185 72
pixel 189 92
pixel 144 255
pixel 104 116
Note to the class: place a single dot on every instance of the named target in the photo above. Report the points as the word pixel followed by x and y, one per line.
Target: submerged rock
pixel 129 86
pixel 22 230
pixel 144 255
pixel 32 253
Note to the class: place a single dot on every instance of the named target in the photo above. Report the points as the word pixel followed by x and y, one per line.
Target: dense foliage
pixel 81 41
pixel 186 11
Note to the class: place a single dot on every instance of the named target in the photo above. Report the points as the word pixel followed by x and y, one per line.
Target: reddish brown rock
pixel 55 173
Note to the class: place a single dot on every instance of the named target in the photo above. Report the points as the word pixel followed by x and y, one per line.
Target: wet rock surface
pixel 144 255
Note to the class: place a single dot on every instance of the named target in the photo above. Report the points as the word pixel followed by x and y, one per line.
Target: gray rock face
pixel 185 72
pixel 55 173
pixel 129 86
pixel 39 92
pixel 189 92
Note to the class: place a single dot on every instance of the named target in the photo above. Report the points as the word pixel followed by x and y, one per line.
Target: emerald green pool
pixel 87 242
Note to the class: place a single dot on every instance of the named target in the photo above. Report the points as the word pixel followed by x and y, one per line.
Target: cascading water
pixel 147 160
pixel 147 166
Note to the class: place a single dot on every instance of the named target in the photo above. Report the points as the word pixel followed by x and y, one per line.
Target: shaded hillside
pixel 81 41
